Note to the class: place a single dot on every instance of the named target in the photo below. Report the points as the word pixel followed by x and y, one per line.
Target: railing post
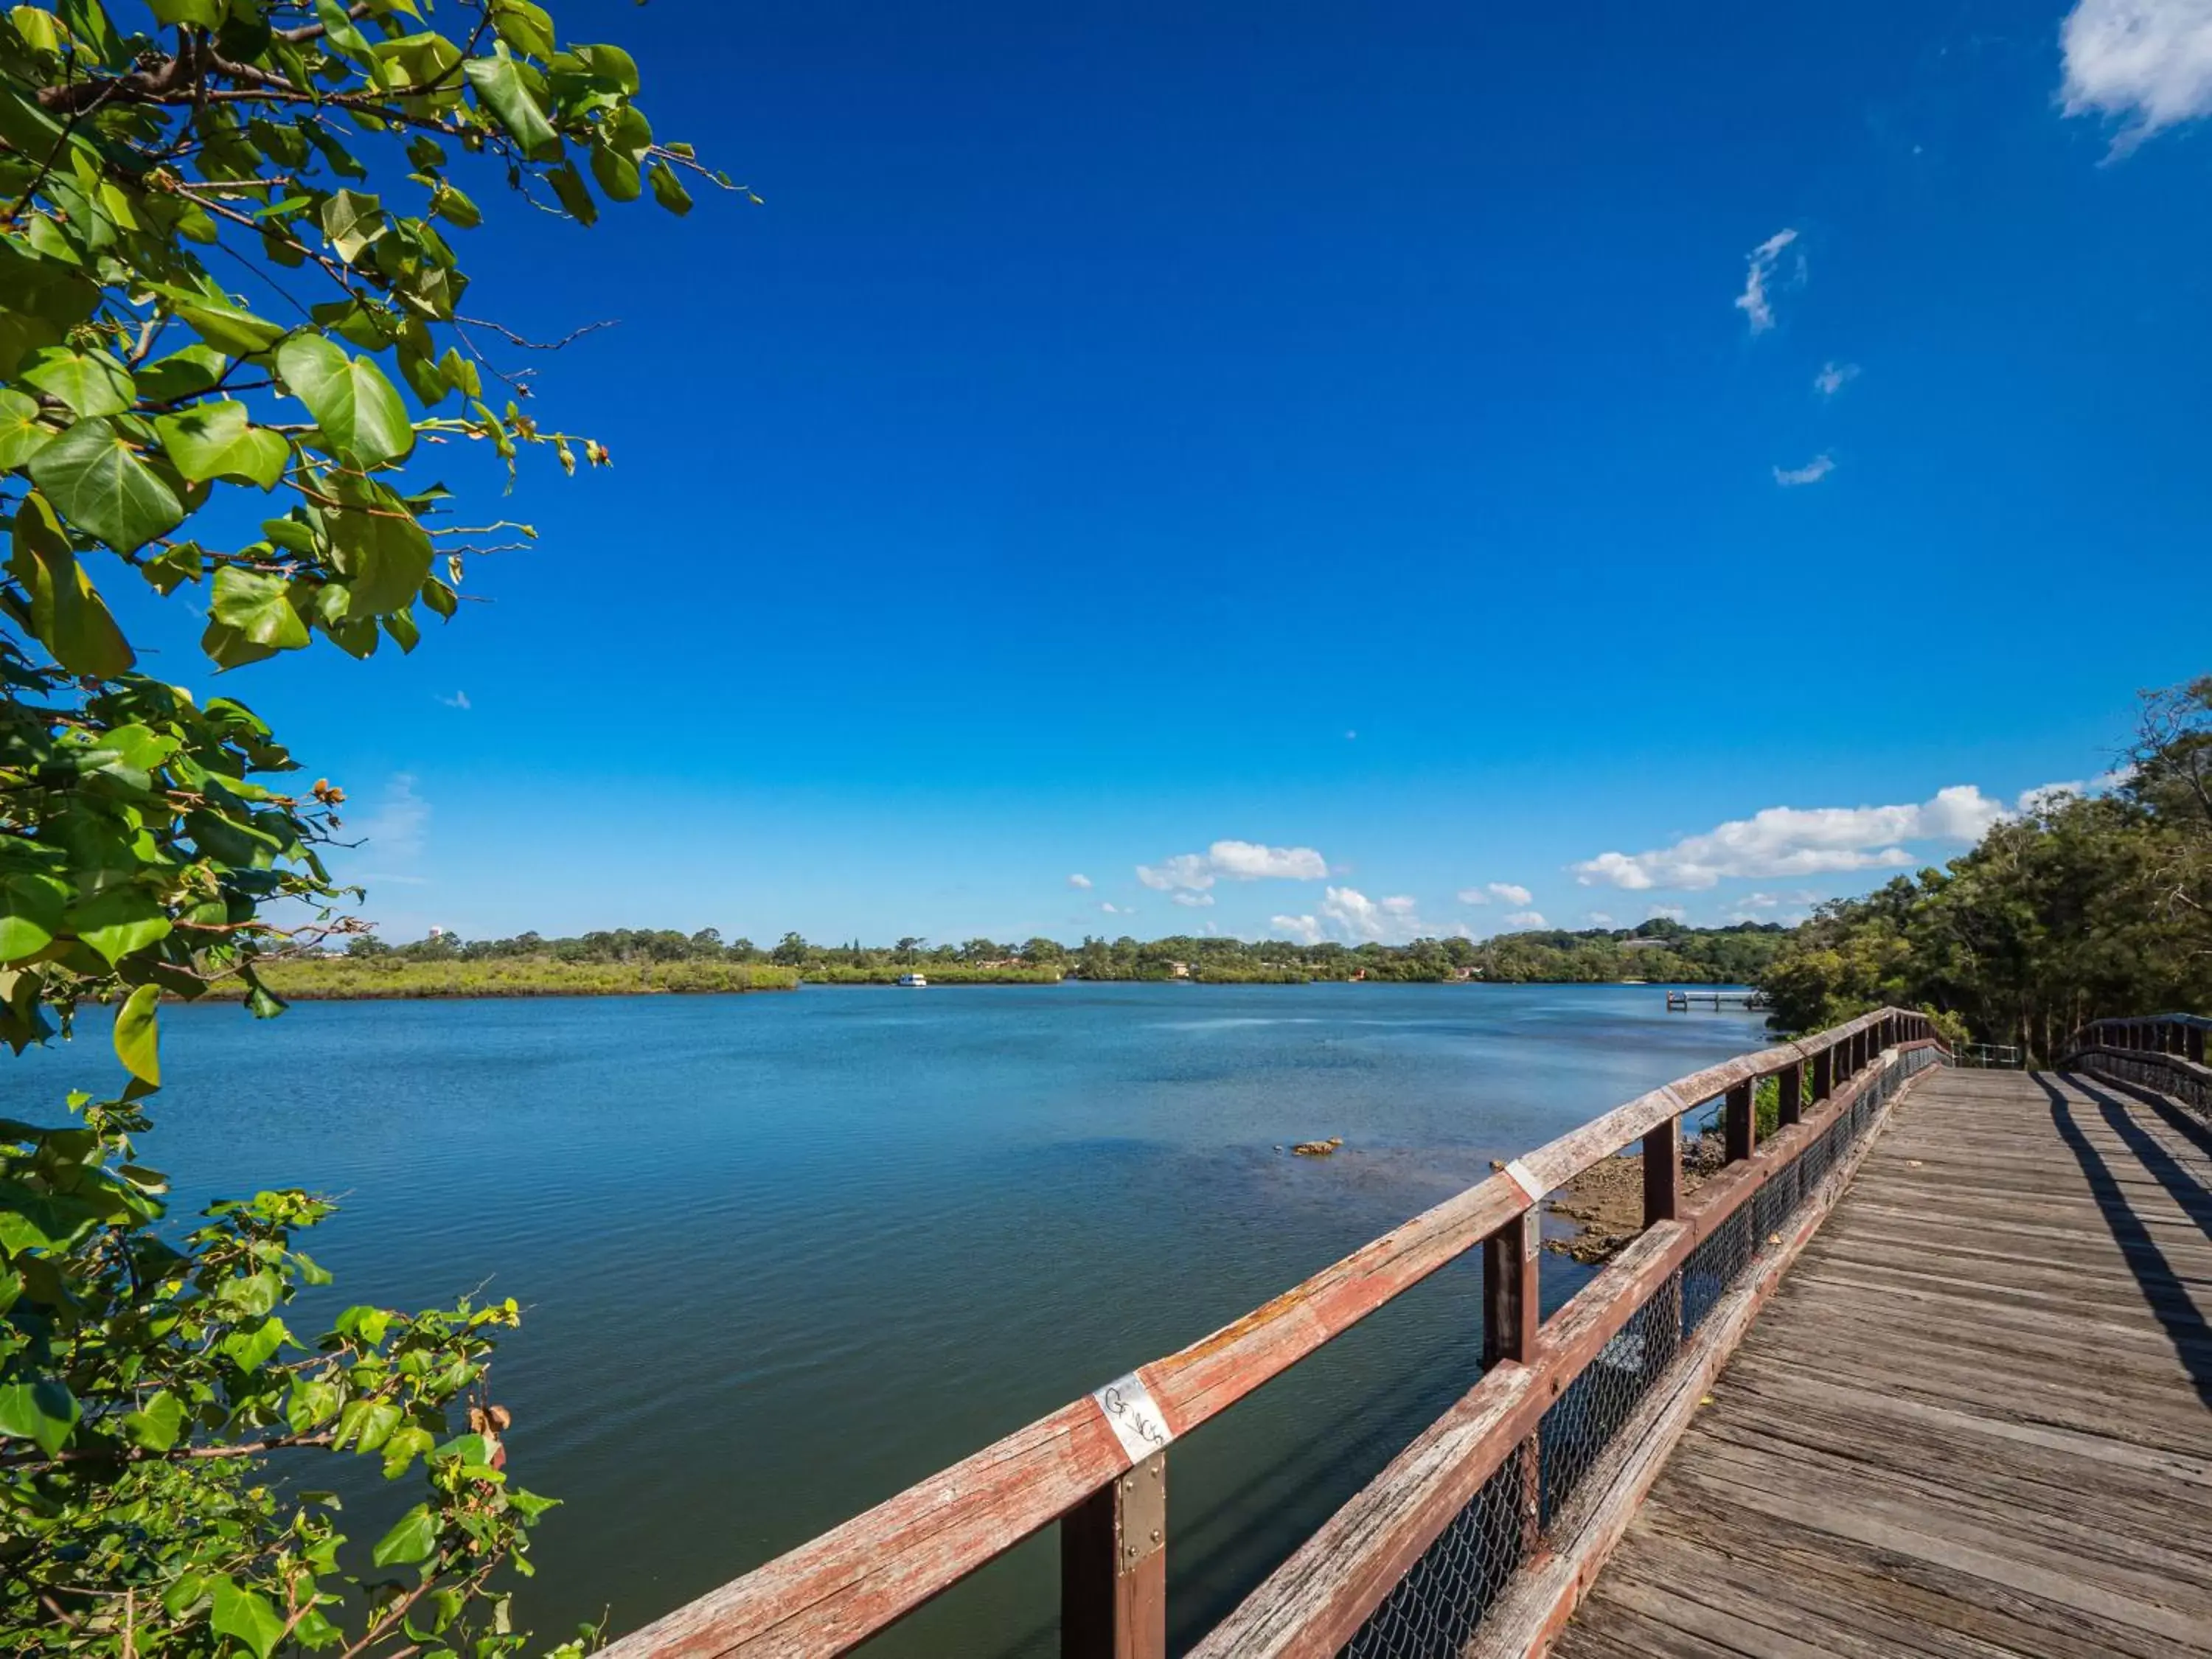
pixel 2196 1037
pixel 1824 1075
pixel 1741 1123
pixel 1113 1568
pixel 1510 1311
pixel 1662 1172
pixel 1790 1083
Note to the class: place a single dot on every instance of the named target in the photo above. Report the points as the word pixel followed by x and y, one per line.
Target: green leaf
pixel 44 1412
pixel 156 1424
pixel 384 554
pixel 616 173
pixel 351 221
pixel 360 412
pixel 455 208
pixel 410 1540
pixel 194 14
pixel 217 441
pixel 257 609
pixel 499 88
pixel 89 382
pixel 31 908
pixel 21 436
pixel 260 1001
pixel 66 612
pixel 183 374
pixel 368 1422
pixel 313 1403
pixel 244 1615
pixel 98 483
pixel 668 189
pixel 119 921
pixel 229 328
pixel 609 64
pixel 405 1445
pixel 250 1349
pixel 339 33
pixel 575 196
pixel 139 1036
pixel 525 27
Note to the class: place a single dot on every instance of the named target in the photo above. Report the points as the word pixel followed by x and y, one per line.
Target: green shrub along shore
pixel 348 979
pixel 633 961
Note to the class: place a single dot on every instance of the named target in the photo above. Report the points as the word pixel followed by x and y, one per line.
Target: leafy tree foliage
pixel 2080 909
pixel 1659 951
pixel 158 425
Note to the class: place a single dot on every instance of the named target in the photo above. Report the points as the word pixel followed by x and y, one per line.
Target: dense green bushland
pixel 1658 951
pixel 351 979
pixel 161 1422
pixel 2081 907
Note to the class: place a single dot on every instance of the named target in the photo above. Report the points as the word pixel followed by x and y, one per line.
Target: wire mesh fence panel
pixel 1579 1427
pixel 1437 1606
pixel 1719 1258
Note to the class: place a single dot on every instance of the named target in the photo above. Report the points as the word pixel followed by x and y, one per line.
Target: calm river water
pixel 783 1254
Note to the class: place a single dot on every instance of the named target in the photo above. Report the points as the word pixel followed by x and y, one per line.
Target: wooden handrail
pixel 1315 1601
pixel 831 1593
pixel 2175 1036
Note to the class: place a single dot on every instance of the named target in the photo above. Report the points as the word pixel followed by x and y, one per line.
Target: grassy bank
pixel 372 979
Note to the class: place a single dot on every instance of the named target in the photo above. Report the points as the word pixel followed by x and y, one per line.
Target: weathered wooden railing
pixel 1502 1463
pixel 2163 1052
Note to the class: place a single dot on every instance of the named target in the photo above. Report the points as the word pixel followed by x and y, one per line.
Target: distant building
pixel 1178 970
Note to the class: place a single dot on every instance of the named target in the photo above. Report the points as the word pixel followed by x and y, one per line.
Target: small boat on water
pixel 913 982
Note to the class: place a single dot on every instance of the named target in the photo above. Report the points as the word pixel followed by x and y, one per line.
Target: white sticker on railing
pixel 1130 1414
pixel 1525 1179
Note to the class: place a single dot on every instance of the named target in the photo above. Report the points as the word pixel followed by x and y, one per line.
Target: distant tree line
pixel 1658 950
pixel 2082 908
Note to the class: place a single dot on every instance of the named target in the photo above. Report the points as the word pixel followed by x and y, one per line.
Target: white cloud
pixel 1249 861
pixel 1753 301
pixel 1183 870
pixel 1079 880
pixel 1192 900
pixel 1790 478
pixel 1510 892
pixel 459 700
pixel 1114 909
pixel 1526 918
pixel 1386 922
pixel 2146 62
pixel 1304 929
pixel 1672 912
pixel 1834 377
pixel 397 826
pixel 1789 841
pixel 1601 918
pixel 1239 860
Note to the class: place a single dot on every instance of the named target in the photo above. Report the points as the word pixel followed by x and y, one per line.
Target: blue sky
pixel 1415 448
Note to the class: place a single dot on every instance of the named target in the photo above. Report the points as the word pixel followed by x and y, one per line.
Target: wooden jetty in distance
pixel 1976 1420
pixel 1681 1002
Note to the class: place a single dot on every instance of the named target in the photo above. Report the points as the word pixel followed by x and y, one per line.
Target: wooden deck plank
pixel 1975 1421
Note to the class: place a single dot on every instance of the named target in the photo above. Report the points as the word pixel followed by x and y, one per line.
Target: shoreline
pixel 429 982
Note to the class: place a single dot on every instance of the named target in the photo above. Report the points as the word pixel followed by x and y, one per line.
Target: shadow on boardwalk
pixel 1976 1418
pixel 2164 1291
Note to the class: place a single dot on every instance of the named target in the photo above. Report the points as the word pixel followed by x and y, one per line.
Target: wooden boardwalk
pixel 1975 1421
